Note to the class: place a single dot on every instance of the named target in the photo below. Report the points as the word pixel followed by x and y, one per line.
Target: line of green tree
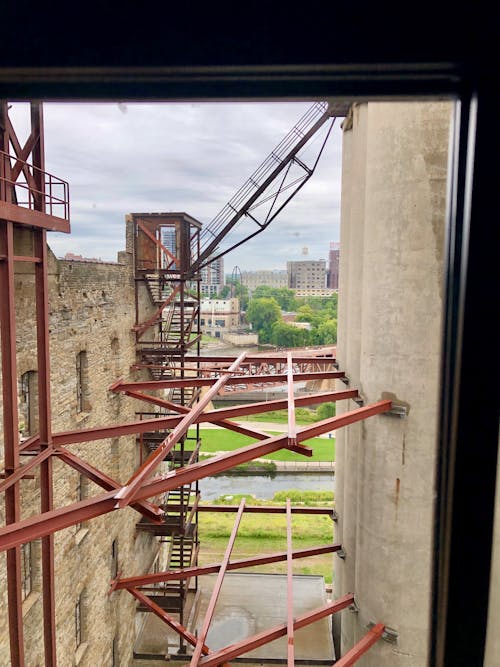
pixel 264 313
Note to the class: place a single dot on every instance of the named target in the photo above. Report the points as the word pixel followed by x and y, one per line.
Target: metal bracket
pixel 359 400
pixel 389 635
pixel 335 516
pixel 353 608
pixel 345 379
pixel 397 410
pixel 341 553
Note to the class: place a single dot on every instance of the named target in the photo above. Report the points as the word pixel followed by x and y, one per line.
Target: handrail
pixel 53 199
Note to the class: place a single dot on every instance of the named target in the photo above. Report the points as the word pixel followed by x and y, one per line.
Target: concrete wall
pixel 492 657
pixel 390 303
pixel 92 309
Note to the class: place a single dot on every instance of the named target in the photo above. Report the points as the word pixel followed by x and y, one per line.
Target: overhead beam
pixel 249 644
pixel 289 593
pixel 126 493
pixel 360 648
pixel 186 573
pixel 34 527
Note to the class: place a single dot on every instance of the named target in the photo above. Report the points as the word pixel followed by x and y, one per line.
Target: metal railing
pixel 33 188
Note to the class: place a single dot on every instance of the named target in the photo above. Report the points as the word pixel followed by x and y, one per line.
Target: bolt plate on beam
pixel 389 635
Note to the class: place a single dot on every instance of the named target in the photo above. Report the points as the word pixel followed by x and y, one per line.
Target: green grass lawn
pixel 216 440
pixel 303 416
pixel 259 534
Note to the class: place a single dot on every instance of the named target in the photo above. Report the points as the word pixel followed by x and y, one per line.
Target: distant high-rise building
pixel 332 276
pixel 306 275
pixel 212 278
pixel 270 278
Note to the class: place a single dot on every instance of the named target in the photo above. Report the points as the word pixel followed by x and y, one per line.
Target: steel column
pixel 289 581
pixel 11 438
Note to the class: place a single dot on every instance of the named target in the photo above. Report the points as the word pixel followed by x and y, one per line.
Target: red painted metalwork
pixel 208 382
pixel 11 439
pixel 257 509
pixel 292 428
pixel 173 575
pixel 289 579
pixel 141 426
pixel 216 589
pixel 267 636
pixel 360 648
pixel 166 618
pixel 49 522
pixel 125 495
pixel 147 509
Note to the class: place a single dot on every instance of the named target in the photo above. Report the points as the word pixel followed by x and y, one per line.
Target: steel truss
pixel 166 272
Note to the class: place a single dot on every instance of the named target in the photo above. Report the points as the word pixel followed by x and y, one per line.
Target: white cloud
pixel 129 157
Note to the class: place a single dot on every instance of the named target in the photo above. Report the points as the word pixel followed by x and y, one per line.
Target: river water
pixel 264 486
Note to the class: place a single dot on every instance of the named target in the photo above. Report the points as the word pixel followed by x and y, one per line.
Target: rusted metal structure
pixel 33 202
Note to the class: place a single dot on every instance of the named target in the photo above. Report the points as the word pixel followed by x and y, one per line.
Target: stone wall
pixel 92 310
pixel 390 319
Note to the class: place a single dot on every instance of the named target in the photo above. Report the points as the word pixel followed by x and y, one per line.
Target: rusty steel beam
pixel 289 582
pixel 278 378
pixel 21 471
pixel 186 573
pixel 265 637
pixel 11 434
pixel 31 218
pixel 166 618
pixel 360 648
pixel 292 427
pixel 126 493
pixel 147 509
pixel 144 425
pixel 34 527
pixel 217 587
pixel 44 411
pixel 254 509
pixel 141 328
pixel 267 358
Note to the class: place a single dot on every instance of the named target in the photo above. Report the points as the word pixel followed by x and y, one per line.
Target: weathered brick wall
pixel 92 309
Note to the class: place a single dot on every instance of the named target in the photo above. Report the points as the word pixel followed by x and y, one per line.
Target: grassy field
pixel 260 534
pixel 303 416
pixel 215 440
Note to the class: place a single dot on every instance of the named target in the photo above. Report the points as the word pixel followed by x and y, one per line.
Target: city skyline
pixel 123 158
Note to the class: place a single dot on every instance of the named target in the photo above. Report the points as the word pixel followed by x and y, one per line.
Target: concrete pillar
pixel 492 657
pixel 390 347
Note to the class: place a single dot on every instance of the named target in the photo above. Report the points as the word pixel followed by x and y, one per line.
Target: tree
pixel 284 296
pixel 326 410
pixel 326 333
pixel 286 335
pixel 262 314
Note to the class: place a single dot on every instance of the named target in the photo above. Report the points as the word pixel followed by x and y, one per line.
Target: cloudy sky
pixel 192 157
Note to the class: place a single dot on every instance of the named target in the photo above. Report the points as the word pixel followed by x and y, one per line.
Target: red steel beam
pixel 144 425
pixel 253 509
pixel 186 573
pixel 156 241
pixel 44 408
pixel 278 378
pixel 34 527
pixel 166 618
pixel 10 429
pixel 289 581
pixel 147 509
pixel 216 589
pixel 360 648
pixel 22 470
pixel 141 328
pixel 126 493
pixel 234 650
pixel 292 427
